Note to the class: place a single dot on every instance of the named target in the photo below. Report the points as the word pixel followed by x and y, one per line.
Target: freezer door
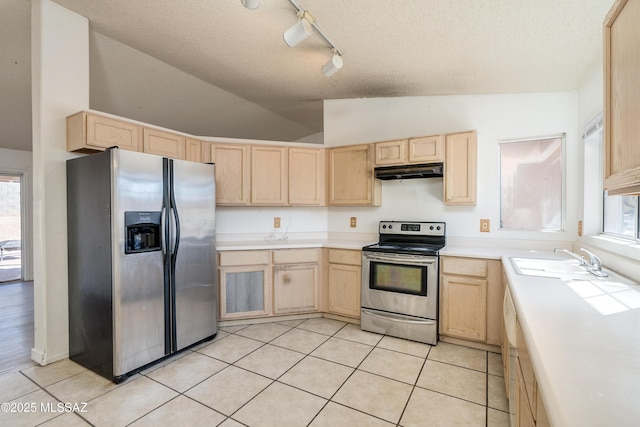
pixel 195 286
pixel 138 280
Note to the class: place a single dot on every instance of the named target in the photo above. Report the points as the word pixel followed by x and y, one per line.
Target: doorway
pixel 10 228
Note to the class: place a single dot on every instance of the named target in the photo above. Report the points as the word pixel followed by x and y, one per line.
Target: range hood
pixel 425 170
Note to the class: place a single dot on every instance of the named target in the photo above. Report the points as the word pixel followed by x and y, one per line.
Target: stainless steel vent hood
pixel 425 170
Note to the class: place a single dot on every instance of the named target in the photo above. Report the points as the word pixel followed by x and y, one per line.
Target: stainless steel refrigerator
pixel 142 259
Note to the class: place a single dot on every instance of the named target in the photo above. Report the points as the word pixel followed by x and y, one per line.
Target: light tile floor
pixel 315 372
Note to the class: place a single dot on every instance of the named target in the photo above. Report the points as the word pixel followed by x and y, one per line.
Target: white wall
pixel 19 162
pixel 256 223
pixel 495 117
pixel 60 87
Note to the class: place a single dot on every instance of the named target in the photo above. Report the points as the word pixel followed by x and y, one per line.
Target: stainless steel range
pixel 400 280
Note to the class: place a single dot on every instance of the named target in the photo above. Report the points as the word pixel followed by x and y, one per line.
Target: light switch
pixel 485 225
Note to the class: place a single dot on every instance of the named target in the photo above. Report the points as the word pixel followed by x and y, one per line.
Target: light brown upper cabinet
pixel 232 173
pixel 426 149
pixel 351 176
pixel 207 152
pixel 460 168
pixel 390 153
pixel 163 143
pixel 269 177
pixel 88 133
pixel 193 150
pixel 306 176
pixel 622 98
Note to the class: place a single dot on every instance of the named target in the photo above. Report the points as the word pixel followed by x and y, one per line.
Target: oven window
pixel 407 279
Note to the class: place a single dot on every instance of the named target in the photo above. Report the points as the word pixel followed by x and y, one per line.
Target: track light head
pixel 334 64
pixel 250 4
pixel 300 31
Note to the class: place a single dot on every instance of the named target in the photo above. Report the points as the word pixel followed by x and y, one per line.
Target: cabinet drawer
pixel 295 256
pixel 464 266
pixel 229 258
pixel 345 256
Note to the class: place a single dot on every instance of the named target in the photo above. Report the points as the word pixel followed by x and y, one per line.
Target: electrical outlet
pixel 276 222
pixel 485 225
pixel 353 222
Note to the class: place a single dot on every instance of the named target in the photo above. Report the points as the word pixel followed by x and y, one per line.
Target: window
pixel 621 216
pixel 531 184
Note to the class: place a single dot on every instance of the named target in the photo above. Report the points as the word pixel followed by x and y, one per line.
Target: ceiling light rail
pixel 301 30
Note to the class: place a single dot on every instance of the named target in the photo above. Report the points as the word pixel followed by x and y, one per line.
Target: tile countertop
pixel 584 343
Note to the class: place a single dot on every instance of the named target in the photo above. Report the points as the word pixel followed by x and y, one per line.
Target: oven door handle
pixel 398 319
pixel 401 259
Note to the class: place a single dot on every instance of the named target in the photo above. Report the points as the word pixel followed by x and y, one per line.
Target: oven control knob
pixel 438 227
pixel 431 228
pixel 390 226
pixel 384 226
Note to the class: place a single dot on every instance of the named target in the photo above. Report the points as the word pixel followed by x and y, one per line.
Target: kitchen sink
pixel 555 268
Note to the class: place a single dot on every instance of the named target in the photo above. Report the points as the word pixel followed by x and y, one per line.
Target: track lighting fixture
pixel 302 29
pixel 334 64
pixel 250 4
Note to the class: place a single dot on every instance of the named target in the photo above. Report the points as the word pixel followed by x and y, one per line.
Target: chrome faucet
pixel 576 256
pixel 596 264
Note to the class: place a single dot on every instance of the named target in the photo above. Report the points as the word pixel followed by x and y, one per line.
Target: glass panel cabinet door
pixel 244 291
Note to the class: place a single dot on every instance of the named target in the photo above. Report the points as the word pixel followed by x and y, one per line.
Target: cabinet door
pixel 269 177
pixel 344 289
pixel 193 150
pixel 101 133
pixel 622 98
pixel 351 180
pixel 306 176
pixel 295 288
pixel 232 174
pixel 524 416
pixel 163 143
pixel 391 153
pixel 426 149
pixel 207 148
pixel 460 180
pixel 463 307
pixel 244 291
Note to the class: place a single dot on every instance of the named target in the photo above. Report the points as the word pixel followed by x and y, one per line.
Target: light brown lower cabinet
pixel 264 282
pixel 530 409
pixel 344 282
pixel 295 280
pixel 471 299
pixel 245 284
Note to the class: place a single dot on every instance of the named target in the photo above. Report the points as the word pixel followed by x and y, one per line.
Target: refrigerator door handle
pixel 176 218
pixel 163 224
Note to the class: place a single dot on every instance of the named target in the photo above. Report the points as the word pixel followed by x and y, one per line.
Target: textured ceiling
pixel 390 48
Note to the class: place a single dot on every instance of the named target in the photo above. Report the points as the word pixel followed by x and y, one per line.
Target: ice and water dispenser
pixel 143 232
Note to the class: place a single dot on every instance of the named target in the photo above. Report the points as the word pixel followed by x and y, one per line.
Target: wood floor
pixel 16 325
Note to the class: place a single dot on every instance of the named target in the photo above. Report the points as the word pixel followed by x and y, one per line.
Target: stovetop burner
pixel 420 238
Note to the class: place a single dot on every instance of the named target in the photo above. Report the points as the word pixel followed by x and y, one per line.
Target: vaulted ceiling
pixel 213 67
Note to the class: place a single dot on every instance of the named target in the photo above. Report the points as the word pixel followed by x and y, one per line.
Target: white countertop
pixel 587 363
pixel 586 359
pixel 244 245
